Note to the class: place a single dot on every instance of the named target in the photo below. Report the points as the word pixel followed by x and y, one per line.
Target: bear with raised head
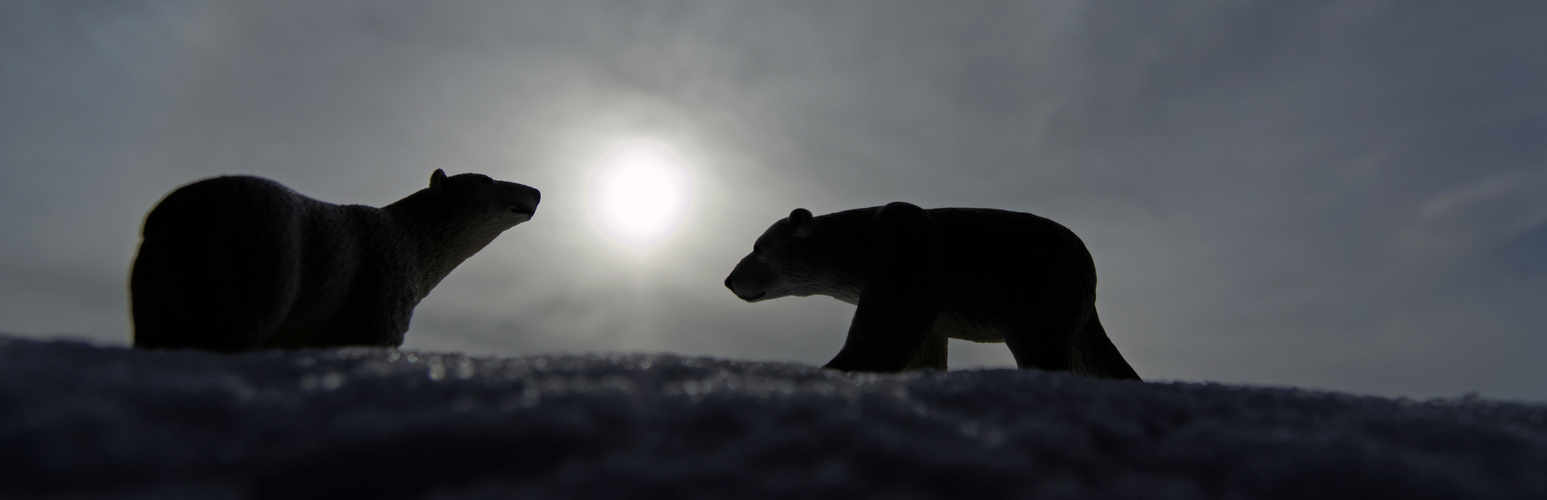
pixel 921 277
pixel 239 263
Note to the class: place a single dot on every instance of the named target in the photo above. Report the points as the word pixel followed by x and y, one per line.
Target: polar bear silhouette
pixel 921 277
pixel 237 263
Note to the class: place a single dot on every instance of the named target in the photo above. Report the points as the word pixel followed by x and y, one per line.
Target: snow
pixel 78 420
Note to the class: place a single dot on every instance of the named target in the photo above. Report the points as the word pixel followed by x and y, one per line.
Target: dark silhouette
pixel 921 276
pixel 239 263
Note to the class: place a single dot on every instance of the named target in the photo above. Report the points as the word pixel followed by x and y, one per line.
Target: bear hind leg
pixel 1046 343
pixel 155 302
pixel 1096 356
pixel 218 289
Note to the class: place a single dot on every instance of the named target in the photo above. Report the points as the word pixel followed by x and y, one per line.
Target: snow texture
pixel 81 421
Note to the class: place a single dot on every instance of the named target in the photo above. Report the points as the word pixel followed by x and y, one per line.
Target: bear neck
pixel 846 244
pixel 441 239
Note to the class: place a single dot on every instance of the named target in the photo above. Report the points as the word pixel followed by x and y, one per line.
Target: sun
pixel 639 193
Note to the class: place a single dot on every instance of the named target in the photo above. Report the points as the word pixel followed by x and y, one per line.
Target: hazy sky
pixel 1344 195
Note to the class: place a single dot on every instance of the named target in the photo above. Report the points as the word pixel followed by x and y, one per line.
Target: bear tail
pixel 1095 356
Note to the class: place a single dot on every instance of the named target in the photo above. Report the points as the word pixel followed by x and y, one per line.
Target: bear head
pixel 481 200
pixel 792 258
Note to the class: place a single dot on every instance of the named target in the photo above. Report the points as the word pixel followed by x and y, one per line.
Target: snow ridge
pixel 80 420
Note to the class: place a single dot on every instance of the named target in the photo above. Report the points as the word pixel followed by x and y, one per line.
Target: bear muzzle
pixel 749 297
pixel 528 205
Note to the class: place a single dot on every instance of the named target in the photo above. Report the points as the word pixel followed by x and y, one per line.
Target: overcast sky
pixel 1345 195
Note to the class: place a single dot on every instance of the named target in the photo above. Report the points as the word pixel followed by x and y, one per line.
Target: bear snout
pixel 730 282
pixel 528 207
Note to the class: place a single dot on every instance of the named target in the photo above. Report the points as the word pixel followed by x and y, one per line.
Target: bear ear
pixel 437 179
pixel 800 221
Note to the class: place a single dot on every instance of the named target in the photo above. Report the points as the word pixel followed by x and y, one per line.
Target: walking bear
pixel 922 276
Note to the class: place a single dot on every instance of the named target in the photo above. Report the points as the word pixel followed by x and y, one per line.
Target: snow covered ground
pixel 83 421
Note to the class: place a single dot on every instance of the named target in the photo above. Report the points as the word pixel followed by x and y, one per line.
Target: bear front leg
pixel 932 353
pixel 899 302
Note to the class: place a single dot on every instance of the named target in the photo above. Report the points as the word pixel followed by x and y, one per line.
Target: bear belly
pixel 971 326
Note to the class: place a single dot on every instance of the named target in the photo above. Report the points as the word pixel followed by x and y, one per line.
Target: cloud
pixel 1473 218
pixel 1316 193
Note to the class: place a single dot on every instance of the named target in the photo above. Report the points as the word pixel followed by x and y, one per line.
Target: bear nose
pixel 728 284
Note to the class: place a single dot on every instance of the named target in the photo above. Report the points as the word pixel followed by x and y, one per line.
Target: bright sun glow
pixel 639 193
